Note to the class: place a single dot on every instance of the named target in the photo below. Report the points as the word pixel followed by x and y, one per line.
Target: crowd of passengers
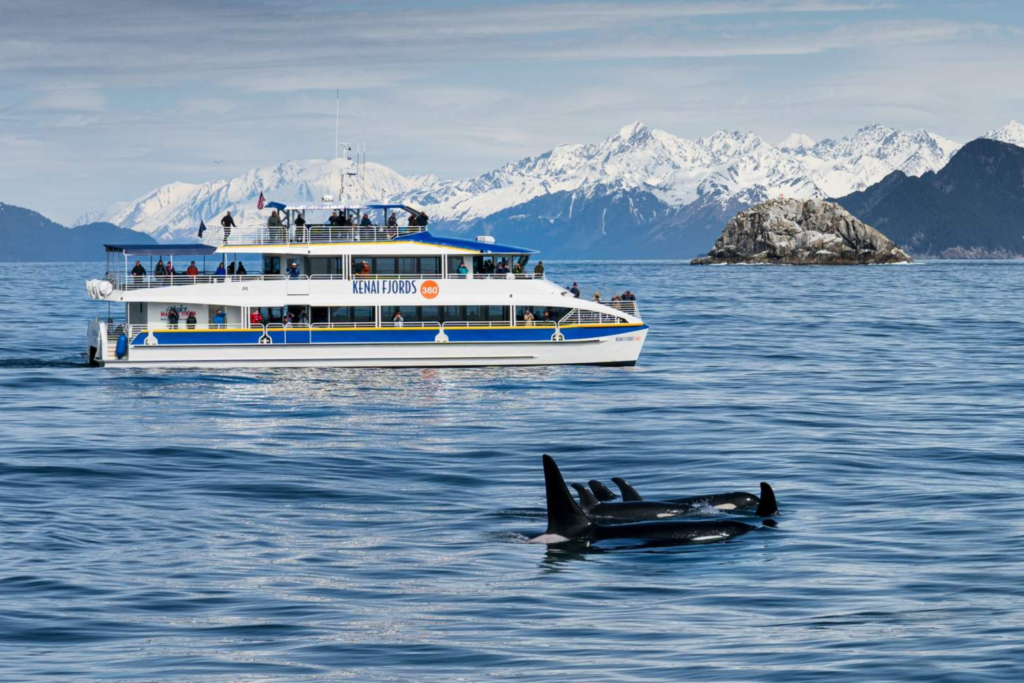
pixel 168 270
pixel 337 219
pixel 625 296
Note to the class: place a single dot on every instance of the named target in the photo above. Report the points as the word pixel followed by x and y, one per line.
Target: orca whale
pixel 631 511
pixel 603 493
pixel 567 521
pixel 736 500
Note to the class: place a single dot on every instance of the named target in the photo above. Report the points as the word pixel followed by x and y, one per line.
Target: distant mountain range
pixel 972 208
pixel 28 236
pixel 641 193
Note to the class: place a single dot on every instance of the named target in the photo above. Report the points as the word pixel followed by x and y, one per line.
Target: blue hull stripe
pixel 371 336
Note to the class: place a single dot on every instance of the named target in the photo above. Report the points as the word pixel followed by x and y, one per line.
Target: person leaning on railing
pixel 139 271
pixel 300 228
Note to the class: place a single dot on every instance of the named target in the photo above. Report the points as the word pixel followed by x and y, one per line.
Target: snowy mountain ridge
pixel 682 177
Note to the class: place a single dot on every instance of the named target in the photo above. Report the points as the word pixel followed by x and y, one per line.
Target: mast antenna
pixel 337 114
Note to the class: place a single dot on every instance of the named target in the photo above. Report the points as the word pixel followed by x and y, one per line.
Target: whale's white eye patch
pixel 726 506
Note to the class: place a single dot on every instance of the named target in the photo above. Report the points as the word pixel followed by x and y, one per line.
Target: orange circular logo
pixel 429 289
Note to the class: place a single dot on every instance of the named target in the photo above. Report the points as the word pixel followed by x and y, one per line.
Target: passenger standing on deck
pixel 462 269
pixel 218 319
pixel 240 270
pixel 575 289
pixel 190 321
pixel 397 319
pixel 231 268
pixel 227 223
pixel 220 272
pixel 170 268
pixel 275 225
pixel 138 271
pixel 256 318
pixel 528 318
pixel 366 222
pixel 293 271
pixel 538 269
pixel 172 318
pixel 160 269
pixel 300 228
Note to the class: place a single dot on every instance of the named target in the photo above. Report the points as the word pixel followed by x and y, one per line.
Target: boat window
pixel 352 314
pixel 408 265
pixel 319 314
pixel 341 314
pixel 542 313
pixel 272 265
pixel 453 264
pixel 431 265
pixel 384 265
pixel 453 313
pixel 320 266
pixel 272 314
pixel 474 313
pixel 497 313
pixel 363 314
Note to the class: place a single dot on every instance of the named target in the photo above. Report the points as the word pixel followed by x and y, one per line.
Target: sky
pixel 103 101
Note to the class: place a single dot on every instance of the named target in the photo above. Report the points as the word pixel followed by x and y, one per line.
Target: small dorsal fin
pixel 767 506
pixel 629 494
pixel 603 493
pixel 587 499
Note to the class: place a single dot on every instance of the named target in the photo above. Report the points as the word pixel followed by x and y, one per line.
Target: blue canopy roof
pixel 482 247
pixel 161 249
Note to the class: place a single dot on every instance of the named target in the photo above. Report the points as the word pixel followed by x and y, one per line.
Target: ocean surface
pixel 371 525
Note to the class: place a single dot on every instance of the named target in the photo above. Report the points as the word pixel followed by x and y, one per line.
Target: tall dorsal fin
pixel 603 493
pixel 768 506
pixel 587 499
pixel 565 518
pixel 629 493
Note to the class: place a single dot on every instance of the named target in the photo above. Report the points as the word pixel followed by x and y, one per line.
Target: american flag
pixel 260 202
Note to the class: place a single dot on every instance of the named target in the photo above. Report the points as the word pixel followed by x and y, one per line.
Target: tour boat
pixel 345 294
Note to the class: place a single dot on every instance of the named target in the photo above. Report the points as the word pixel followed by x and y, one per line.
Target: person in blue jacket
pixel 293 271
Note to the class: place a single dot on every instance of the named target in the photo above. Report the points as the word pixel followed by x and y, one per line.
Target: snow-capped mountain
pixel 656 192
pixel 173 212
pixel 1012 133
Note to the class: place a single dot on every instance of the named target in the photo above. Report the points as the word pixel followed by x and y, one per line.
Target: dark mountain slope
pixel 28 236
pixel 973 207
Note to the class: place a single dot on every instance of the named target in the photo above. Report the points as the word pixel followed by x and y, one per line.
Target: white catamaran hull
pixel 611 350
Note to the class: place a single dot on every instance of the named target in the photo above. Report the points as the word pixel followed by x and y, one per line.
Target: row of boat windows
pixel 383 265
pixel 367 314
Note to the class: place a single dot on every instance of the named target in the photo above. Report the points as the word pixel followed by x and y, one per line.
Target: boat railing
pixel 131 282
pixel 628 307
pixel 135 282
pixel 312 234
pixel 579 316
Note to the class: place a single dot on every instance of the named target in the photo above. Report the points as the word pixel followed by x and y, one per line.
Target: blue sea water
pixel 310 525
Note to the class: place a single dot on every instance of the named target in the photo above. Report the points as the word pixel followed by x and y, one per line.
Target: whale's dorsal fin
pixel 565 518
pixel 768 506
pixel 587 499
pixel 603 493
pixel 629 494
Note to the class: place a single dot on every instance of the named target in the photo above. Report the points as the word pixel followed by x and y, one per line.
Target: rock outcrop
pixel 801 232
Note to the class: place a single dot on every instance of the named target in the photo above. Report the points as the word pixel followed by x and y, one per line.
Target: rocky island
pixel 801 232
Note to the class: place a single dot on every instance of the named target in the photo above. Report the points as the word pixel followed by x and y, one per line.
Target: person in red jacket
pixel 256 318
